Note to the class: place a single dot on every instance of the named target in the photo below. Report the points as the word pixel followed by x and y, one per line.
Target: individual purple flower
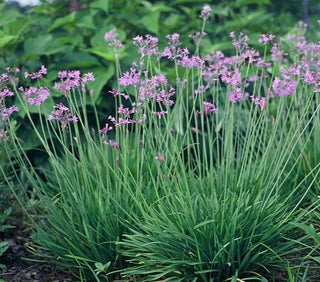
pixel 113 144
pixel 35 96
pixel 63 115
pixel 284 87
pixel 260 101
pixel 265 38
pixel 142 119
pixel 160 113
pixel 104 130
pixel 236 95
pixel 6 112
pixel 125 111
pixel 159 157
pixel 209 108
pixel 121 121
pixel 36 75
pixel 87 77
pixel 205 13
pixel 116 93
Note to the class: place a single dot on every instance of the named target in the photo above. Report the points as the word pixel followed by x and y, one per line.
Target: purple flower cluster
pixel 283 87
pixel 70 80
pixel 131 77
pixel 147 46
pixel 259 101
pixel 35 96
pixel 6 112
pixel 206 12
pixel 265 38
pixel 111 37
pixel 209 108
pixel 63 115
pixel 6 78
pixel 240 42
pixel 236 95
pixel 37 75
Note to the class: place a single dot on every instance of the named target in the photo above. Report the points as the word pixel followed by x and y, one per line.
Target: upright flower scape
pixel 207 172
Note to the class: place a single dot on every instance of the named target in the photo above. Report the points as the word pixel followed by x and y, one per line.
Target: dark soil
pixel 20 267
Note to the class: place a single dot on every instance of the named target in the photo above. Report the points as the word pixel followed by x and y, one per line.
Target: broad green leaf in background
pixel 70 18
pixel 106 53
pixel 74 40
pixel 42 45
pixel 6 40
pixel 151 22
pixel 85 20
pixel 156 7
pixel 17 27
pixel 100 5
pixel 9 16
pixel 76 60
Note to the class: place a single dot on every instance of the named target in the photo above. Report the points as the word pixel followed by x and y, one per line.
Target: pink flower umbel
pixel 36 75
pixel 265 38
pixel 111 37
pixel 6 92
pixel 35 96
pixel 284 87
pixel 209 108
pixel 68 80
pixel 235 96
pixel 63 115
pixel 205 13
pixel 260 101
pixel 147 46
pixel 6 112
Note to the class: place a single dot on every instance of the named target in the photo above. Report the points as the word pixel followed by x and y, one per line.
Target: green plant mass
pixel 174 157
